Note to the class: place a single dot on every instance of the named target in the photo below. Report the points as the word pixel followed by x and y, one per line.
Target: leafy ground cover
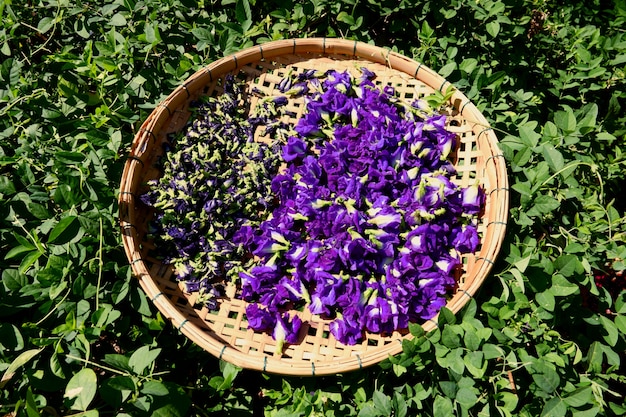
pixel 545 336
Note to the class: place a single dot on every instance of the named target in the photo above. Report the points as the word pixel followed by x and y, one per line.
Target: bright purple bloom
pixel 294 149
pixel 472 199
pixel 465 238
pixel 286 330
pixel 259 319
pixel 348 328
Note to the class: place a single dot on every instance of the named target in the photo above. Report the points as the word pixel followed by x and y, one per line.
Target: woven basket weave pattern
pixel 224 333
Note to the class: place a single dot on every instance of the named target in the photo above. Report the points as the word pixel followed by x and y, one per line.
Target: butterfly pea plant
pixel 544 336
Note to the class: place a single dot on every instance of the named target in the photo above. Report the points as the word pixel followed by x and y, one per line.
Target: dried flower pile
pixel 352 213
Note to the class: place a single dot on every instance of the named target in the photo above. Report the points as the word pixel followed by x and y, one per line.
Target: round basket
pixel 224 332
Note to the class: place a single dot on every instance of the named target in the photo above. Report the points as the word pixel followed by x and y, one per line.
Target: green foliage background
pixel 78 337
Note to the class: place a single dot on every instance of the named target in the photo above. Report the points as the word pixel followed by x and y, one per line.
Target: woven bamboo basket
pixel 224 332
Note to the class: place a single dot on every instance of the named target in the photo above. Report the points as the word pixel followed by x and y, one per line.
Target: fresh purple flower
pixel 294 149
pixel 285 330
pixel 427 238
pixel 381 315
pixel 472 199
pixel 347 328
pixel 259 319
pixel 465 238
pixel 386 217
pixel 292 289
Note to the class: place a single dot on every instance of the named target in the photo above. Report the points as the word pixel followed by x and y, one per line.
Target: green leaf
pixel 447 69
pixel 426 31
pixel 466 397
pixel 345 18
pixel 556 407
pixel 528 136
pixel 620 323
pixel 55 366
pixel 546 300
pixel 493 28
pixel 416 330
pixel 475 363
pixel 66 229
pixel 29 260
pixel 88 413
pixel 154 388
pixel 553 157
pixel 546 378
pixel 471 340
pixel 399 405
pixel 202 34
pixel 117 361
pixel 595 356
pixel 151 33
pixel 382 403
pixel 453 360
pixel 38 210
pixel 589 412
pixel 450 336
pixel 589 117
pixel 229 373
pixel 446 316
pixel 611 334
pixel 31 405
pixel 561 287
pixel 243 14
pixel 68 157
pixel 56 289
pixel 142 358
pixel 543 204
pixel 117 389
pixel 13 279
pixel 468 65
pixel 442 407
pixel 568 265
pixel 18 250
pixel 6 186
pixel 579 397
pixel 118 19
pixel 82 388
pixel 21 360
pixel 45 24
pixel 492 351
pixel 565 120
pixel 10 338
pixel 366 411
pixel 620 303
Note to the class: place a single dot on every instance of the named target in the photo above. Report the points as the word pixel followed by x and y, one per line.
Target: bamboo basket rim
pixel 223 336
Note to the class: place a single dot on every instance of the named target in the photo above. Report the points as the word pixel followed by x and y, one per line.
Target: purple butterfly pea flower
pixel 286 330
pixel 427 238
pixel 358 255
pixel 294 149
pixel 259 319
pixel 347 328
pixel 472 199
pixel 280 100
pixel 386 217
pixel 291 289
pixel 465 238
